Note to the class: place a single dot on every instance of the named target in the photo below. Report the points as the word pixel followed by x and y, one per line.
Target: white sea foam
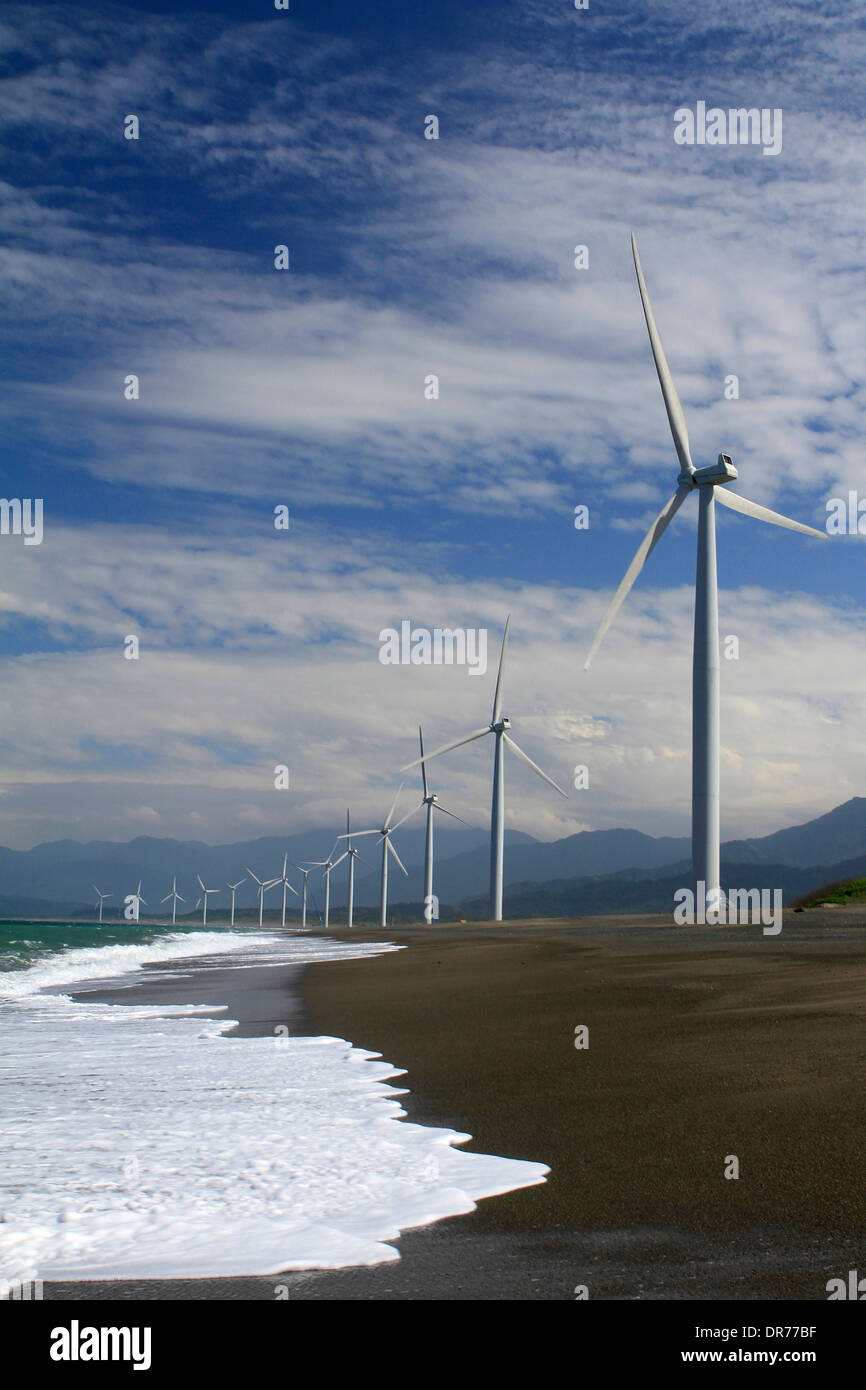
pixel 142 1142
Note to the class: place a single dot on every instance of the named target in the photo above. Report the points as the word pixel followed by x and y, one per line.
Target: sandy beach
pixel 704 1044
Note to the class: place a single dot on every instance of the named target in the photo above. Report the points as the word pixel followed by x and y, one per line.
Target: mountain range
pixel 592 871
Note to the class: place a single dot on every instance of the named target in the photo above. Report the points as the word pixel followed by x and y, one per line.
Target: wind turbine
pixel 387 848
pixel 285 882
pixel 175 899
pixel 305 872
pixel 710 484
pixel 326 864
pixel 138 900
pixel 431 801
pixel 233 888
pixel 205 893
pixel 351 854
pixel 499 725
pixel 101 897
pixel 264 885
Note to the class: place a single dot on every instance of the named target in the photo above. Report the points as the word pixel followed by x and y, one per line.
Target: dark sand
pixel 703 1043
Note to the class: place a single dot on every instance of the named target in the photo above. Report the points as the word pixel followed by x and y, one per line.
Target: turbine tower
pixel 175 899
pixel 326 864
pixel 101 898
pixel 499 725
pixel 233 888
pixel 387 848
pixel 285 882
pixel 205 893
pixel 264 885
pixel 710 483
pixel 431 801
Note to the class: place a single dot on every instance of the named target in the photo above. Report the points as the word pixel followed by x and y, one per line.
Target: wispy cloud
pixel 413 257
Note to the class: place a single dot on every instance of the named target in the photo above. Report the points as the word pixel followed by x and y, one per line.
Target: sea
pixel 144 1141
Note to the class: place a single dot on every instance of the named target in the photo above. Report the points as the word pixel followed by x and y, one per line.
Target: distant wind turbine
pixel 326 864
pixel 305 872
pixel 499 725
pixel 431 801
pixel 710 485
pixel 233 888
pixel 101 897
pixel 264 885
pixel 387 848
pixel 283 879
pixel 138 900
pixel 205 894
pixel 351 854
pixel 175 899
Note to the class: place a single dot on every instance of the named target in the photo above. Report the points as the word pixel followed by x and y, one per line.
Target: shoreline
pixel 703 1043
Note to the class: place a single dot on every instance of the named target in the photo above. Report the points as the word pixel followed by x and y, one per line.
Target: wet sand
pixel 703 1044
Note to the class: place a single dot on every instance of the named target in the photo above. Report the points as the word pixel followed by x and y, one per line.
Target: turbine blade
pixel 403 819
pixel 252 876
pixel 291 889
pixel 200 884
pixel 446 747
pixel 742 504
pixel 343 856
pixel 445 812
pixel 676 418
pixel 423 764
pixel 166 898
pixel 535 768
pixel 497 698
pixel 180 899
pixel 394 804
pixel 356 834
pixel 396 855
pixel 642 554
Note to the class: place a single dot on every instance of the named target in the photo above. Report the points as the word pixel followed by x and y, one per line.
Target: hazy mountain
pixel 838 835
pixel 63 872
pixel 591 867
pixel 624 892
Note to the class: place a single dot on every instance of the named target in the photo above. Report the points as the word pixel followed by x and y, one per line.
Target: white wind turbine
pixel 175 899
pixel 101 897
pixel 283 879
pixel 306 873
pixel 351 854
pixel 138 900
pixel 431 801
pixel 264 885
pixel 499 726
pixel 233 888
pixel 205 894
pixel 387 848
pixel 326 864
pixel 710 484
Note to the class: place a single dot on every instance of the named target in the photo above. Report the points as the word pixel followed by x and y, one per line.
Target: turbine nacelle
pixel 501 726
pixel 723 471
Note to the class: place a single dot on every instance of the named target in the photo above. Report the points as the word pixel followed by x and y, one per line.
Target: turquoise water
pixel 23 944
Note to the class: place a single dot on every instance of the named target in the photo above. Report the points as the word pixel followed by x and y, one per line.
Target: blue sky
pixel 411 257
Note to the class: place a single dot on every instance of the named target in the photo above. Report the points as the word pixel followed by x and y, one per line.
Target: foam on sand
pixel 140 1142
